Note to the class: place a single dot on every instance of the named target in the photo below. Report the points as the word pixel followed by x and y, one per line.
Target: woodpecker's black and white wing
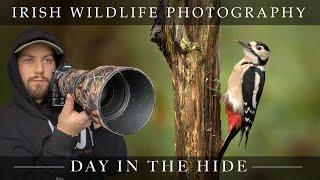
pixel 252 86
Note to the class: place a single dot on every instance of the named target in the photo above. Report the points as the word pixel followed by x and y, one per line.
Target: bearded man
pixel 30 126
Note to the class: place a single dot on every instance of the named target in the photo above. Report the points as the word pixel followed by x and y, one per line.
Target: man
pixel 30 126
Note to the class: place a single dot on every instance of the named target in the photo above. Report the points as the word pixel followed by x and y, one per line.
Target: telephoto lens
pixel 122 98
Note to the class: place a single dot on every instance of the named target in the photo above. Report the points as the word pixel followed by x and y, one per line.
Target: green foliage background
pixel 287 122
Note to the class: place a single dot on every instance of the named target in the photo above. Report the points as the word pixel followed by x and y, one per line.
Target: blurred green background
pixel 288 119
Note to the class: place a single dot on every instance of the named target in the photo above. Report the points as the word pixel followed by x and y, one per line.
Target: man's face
pixel 36 64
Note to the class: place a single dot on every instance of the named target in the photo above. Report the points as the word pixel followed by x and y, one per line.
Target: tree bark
pixel 191 51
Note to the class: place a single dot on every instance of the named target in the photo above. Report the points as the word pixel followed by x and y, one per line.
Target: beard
pixel 37 90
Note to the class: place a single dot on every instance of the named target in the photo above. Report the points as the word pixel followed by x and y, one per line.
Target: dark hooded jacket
pixel 27 128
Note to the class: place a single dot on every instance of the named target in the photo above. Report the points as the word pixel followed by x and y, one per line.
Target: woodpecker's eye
pixel 259 48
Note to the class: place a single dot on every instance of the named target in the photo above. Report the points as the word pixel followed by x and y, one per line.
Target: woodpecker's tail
pixel 245 131
pixel 226 143
pixel 247 136
pixel 241 136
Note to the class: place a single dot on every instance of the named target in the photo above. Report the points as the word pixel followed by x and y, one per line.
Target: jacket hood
pixel 13 70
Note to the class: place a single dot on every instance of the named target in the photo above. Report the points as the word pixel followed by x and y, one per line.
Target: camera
pixel 122 98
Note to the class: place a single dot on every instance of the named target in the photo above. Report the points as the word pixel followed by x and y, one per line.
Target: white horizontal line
pixel 276 167
pixel 38 167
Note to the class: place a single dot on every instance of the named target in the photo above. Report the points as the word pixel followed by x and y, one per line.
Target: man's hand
pixel 70 121
pixel 95 124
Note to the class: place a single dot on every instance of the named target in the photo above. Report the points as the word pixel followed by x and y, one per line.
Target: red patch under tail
pixel 234 118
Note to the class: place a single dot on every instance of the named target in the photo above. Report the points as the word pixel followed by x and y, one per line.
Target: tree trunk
pixel 191 51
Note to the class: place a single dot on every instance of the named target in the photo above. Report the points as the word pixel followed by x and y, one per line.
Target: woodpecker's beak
pixel 244 44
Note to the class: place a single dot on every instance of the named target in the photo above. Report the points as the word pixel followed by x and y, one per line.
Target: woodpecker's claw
pixel 216 88
pixel 217 92
pixel 217 81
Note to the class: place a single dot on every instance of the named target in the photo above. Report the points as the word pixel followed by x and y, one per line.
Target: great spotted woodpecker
pixel 245 87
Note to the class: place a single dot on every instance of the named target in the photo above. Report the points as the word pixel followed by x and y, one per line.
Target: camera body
pixel 56 97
